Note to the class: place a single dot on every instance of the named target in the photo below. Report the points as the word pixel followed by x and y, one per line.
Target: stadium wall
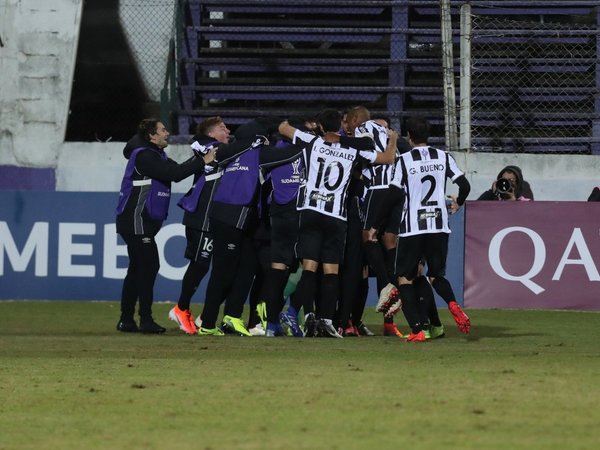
pixel 552 177
pixel 37 60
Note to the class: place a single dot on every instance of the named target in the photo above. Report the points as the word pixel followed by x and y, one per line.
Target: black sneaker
pixel 127 326
pixel 325 329
pixel 364 331
pixel 310 325
pixel 151 327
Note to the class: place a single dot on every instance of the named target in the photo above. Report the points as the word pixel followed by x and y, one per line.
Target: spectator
pixel 514 188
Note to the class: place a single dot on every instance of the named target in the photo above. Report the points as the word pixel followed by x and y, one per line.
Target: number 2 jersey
pixel 328 169
pixel 422 174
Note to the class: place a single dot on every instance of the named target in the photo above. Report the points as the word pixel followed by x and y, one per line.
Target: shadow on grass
pixel 492 331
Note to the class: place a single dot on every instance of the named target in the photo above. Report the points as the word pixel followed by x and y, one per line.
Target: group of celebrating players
pixel 303 209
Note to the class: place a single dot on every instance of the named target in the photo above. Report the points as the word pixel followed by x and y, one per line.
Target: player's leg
pixel 226 255
pixel 436 252
pixel 332 253
pixel 351 272
pixel 308 249
pixel 241 285
pixel 284 234
pixel 199 252
pixel 407 265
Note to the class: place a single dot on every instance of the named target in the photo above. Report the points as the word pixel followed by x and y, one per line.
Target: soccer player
pixel 286 180
pixel 420 177
pixel 375 217
pixel 322 204
pixel 234 219
pixel 210 133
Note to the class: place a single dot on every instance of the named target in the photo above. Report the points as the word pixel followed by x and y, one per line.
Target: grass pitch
pixel 521 379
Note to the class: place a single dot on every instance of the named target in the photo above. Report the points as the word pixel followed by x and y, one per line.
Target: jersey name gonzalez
pixel 328 170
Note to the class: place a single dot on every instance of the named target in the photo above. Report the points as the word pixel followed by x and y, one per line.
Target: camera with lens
pixel 504 188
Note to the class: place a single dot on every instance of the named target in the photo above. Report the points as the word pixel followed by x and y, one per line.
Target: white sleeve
pixel 397 178
pixel 303 137
pixel 453 170
pixel 362 131
pixel 369 155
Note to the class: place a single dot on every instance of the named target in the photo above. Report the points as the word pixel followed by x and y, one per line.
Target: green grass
pixel 521 379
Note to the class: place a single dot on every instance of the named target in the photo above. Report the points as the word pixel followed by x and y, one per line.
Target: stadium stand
pixel 239 59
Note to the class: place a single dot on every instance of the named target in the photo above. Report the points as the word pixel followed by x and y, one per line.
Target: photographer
pixel 595 195
pixel 509 186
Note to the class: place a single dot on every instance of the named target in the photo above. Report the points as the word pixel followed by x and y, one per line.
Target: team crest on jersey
pixel 424 153
pixel 296 167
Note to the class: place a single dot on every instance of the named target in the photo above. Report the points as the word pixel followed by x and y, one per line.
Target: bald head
pixel 357 116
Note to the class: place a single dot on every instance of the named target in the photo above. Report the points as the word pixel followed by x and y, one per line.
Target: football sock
pixel 443 289
pixel 273 293
pixel 329 294
pixel 358 308
pixel 191 280
pixel 305 291
pixel 295 304
pixel 408 294
pixel 425 293
pixel 376 259
pixel 390 262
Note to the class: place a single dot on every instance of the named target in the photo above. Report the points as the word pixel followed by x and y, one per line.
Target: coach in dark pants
pixel 143 206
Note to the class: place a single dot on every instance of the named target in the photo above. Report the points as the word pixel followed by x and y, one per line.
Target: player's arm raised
pixel 389 155
pixel 286 130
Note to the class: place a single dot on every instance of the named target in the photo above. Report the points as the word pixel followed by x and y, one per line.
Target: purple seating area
pixel 243 58
pixel 276 57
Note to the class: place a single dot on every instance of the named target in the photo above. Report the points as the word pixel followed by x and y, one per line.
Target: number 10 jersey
pixel 328 169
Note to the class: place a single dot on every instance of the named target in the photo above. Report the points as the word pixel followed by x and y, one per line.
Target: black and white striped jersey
pixel 328 168
pixel 377 176
pixel 422 174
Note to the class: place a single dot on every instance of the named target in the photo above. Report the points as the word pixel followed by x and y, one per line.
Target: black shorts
pixel 284 234
pixel 373 209
pixel 199 244
pixel 394 218
pixel 321 238
pixel 432 248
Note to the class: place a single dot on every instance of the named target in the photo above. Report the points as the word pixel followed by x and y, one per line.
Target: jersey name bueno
pixel 422 174
pixel 328 170
pixel 377 176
